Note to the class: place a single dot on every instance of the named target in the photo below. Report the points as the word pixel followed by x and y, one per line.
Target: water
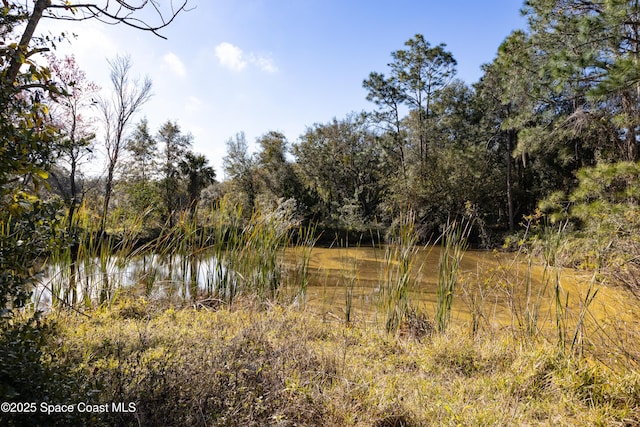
pixel 152 275
pixel 495 288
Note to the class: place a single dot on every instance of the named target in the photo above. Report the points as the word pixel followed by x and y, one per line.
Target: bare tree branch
pixel 127 98
pixel 122 12
pixel 109 12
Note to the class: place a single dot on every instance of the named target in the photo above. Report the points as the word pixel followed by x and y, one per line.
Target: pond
pixel 493 288
pixel 501 285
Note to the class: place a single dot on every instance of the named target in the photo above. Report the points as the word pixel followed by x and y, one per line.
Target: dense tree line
pixel 560 96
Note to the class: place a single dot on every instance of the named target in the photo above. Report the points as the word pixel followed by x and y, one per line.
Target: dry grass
pixel 280 367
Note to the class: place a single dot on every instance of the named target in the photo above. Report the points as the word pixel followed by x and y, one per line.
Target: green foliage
pixel 28 230
pixel 25 235
pixel 27 141
pixel 176 145
pixel 275 175
pixel 143 148
pixel 604 208
pixel 30 374
pixel 605 201
pixel 422 72
pixel 260 243
pixel 340 162
pixel 239 167
pixel 198 174
pixel 589 54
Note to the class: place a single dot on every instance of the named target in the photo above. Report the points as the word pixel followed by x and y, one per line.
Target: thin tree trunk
pixel 629 148
pixel 510 144
pixel 14 66
pixel 108 189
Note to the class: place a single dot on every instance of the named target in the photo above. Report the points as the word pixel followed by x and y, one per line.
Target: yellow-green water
pixel 501 289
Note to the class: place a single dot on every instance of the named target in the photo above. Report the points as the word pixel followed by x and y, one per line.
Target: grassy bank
pixel 251 366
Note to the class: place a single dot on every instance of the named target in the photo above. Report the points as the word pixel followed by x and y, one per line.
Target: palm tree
pixel 195 167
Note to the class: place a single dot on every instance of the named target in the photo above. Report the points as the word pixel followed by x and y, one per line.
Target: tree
pixel 506 96
pixel 68 114
pixel 593 46
pixel 27 143
pixel 418 75
pixel 143 149
pixel 460 177
pixel 117 111
pixel 14 55
pixel 176 147
pixel 421 72
pixel 28 224
pixel 68 111
pixel 542 127
pixel 276 175
pixel 240 170
pixel 140 176
pixel 124 12
pixel 199 174
pixel 340 162
pixel 388 96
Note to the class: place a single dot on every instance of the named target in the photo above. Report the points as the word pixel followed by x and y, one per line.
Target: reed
pixel 475 298
pixel 223 225
pixel 569 330
pixel 261 242
pixel 305 240
pixel 454 245
pixel 348 277
pixel 216 254
pixel 526 313
pixel 552 246
pixel 579 333
pixel 398 269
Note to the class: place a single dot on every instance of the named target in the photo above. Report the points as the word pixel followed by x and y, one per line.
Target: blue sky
pixel 260 65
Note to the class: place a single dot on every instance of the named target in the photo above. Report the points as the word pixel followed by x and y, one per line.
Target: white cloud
pixel 230 56
pixel 175 64
pixel 264 63
pixel 233 58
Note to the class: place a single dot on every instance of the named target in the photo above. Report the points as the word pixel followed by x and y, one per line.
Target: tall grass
pixel 526 313
pixel 548 311
pixel 261 241
pixel 220 254
pixel 224 224
pixel 551 250
pixel 211 255
pixel 398 269
pixel 454 245
pixel 475 294
pixel 569 330
pixel 349 280
pixel 306 239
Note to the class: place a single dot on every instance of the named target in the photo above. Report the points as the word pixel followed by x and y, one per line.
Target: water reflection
pixel 498 287
pixel 153 275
